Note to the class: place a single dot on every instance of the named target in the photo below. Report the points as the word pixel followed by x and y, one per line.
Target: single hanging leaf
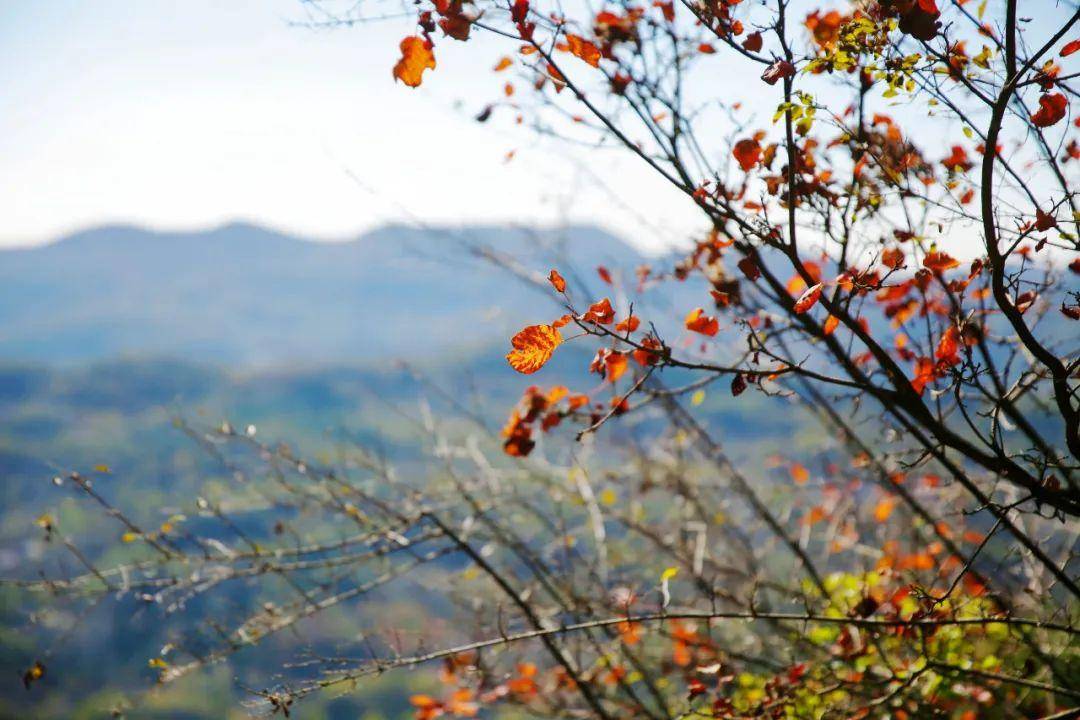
pixel 533 347
pixel 557 281
pixel 416 56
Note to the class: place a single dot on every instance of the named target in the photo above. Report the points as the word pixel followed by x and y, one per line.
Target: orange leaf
pixel 600 313
pixel 533 347
pixel 939 261
pixel 630 324
pixel 892 258
pixel 503 64
pixel 616 365
pixel 808 299
pixel 416 56
pixel 799 473
pixel 884 509
pixel 699 322
pixel 557 281
pixel 830 324
pixel 949 346
pixel 584 49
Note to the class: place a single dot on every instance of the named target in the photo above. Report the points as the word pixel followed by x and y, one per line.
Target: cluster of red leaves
pixel 549 408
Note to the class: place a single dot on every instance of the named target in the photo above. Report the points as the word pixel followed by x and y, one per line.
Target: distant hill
pixel 246 295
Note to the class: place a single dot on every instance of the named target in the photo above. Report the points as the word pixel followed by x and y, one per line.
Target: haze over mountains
pixel 248 296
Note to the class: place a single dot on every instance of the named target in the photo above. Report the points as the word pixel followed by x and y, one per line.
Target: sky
pixel 185 115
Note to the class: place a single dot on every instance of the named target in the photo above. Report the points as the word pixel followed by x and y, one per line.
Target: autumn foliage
pixel 889 250
pixel 885 266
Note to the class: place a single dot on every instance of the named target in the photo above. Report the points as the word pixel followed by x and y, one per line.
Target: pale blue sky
pixel 188 114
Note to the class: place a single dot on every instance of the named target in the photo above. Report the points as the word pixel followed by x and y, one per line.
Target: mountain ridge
pixel 244 294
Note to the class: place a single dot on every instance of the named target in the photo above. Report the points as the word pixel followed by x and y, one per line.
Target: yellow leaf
pixel 668 574
pixel 697 398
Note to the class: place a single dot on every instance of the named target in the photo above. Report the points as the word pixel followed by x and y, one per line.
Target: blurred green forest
pixel 115 422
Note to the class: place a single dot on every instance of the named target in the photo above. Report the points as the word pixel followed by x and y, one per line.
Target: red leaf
pixel 747 152
pixel 1044 221
pixel 750 268
pixel 519 11
pixel 808 299
pixel 604 274
pixel 949 346
pixel 738 384
pixel 958 160
pixel 752 42
pixel 1070 48
pixel 779 69
pixel 699 322
pixel 892 258
pixel 1052 108
pixel 600 313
